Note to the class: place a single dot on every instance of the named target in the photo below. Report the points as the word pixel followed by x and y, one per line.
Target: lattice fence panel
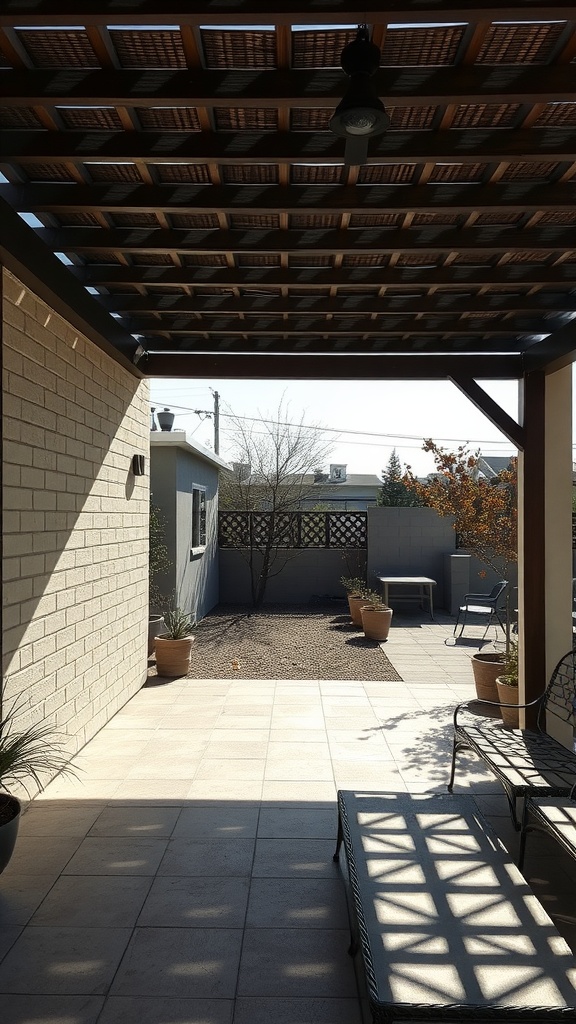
pixel 293 529
pixel 347 529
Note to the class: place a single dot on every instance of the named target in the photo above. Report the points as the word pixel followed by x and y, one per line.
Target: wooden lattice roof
pixel 179 156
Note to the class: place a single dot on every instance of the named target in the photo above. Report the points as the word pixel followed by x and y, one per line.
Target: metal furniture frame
pixel 434 902
pixel 481 604
pixel 528 762
pixel 557 817
pixel 424 584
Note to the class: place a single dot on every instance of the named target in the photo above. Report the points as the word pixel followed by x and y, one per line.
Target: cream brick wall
pixel 75 526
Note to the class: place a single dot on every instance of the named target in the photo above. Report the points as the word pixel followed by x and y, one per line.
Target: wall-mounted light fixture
pixel 138 465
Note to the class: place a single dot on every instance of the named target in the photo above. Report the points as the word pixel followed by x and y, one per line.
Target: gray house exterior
pixel 184 486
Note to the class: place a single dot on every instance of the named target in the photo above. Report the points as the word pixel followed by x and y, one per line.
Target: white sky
pixel 402 414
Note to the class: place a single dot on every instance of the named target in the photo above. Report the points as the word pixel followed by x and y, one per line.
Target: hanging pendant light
pixel 360 114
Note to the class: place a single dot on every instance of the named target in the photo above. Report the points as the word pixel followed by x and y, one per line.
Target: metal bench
pixel 447 927
pixel 556 816
pixel 528 762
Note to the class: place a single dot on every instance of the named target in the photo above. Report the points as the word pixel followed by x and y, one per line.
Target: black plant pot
pixel 9 821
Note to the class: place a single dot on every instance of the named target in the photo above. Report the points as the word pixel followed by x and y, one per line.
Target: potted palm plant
pixel 173 647
pixel 376 617
pixel 27 755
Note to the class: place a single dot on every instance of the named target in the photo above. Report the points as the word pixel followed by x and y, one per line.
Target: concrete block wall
pixel 410 542
pixel 309 574
pixel 75 524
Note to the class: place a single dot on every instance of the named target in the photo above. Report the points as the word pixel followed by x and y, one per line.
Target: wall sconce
pixel 138 465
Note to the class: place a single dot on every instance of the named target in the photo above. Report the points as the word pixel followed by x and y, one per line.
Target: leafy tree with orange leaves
pixel 485 511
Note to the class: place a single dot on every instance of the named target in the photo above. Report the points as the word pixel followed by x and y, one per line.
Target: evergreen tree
pixel 394 491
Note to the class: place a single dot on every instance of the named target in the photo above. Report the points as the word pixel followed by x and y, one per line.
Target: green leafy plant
pixel 373 598
pixel 354 585
pixel 509 672
pixel 29 753
pixel 178 624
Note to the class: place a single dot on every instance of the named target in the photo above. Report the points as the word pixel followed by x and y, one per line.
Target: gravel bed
pixel 286 642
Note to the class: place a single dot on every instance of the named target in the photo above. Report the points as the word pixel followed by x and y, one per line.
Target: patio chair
pixel 481 604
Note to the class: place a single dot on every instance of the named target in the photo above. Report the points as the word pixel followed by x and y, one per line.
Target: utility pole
pixel 216 423
pixel 216 415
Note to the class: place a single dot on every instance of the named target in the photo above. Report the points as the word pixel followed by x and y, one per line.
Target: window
pixel 198 517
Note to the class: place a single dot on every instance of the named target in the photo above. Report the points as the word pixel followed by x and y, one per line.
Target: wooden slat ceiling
pixel 179 156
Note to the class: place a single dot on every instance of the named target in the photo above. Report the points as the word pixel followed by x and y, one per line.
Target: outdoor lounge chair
pixel 481 604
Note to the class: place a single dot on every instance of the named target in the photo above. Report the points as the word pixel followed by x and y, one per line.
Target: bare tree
pixel 272 476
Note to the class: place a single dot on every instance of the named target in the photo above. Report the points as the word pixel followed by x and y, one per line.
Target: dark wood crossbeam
pixel 257 199
pixel 256 305
pixel 284 88
pixel 422 240
pixel 406 278
pixel 462 147
pixel 259 325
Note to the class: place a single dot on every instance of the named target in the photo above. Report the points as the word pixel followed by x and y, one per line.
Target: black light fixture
pixel 361 113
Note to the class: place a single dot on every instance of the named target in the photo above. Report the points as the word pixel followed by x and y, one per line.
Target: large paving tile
pixel 117 856
pixel 296 823
pixel 9 933
pixel 224 790
pixel 299 770
pixel 297 903
pixel 63 960
pixel 50 1009
pixel 180 962
pixel 208 857
pixel 137 822
pixel 296 962
pixel 165 768
pixel 217 823
pixel 196 902
pixel 262 1010
pixel 146 791
pixel 235 748
pixel 241 769
pixel 97 901
pixel 315 793
pixel 155 1010
pixel 21 895
pixel 294 858
pixel 61 820
pixel 297 750
pixel 41 855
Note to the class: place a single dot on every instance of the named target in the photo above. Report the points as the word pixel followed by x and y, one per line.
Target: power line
pixel 343 430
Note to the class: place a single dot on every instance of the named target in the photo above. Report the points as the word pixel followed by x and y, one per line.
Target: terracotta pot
pixel 9 822
pixel 508 694
pixel 156 625
pixel 173 656
pixel 355 603
pixel 376 622
pixel 486 668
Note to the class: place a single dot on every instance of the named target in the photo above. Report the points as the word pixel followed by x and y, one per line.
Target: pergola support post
pixel 544 527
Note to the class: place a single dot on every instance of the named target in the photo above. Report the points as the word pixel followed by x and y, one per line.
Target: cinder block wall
pixel 75 526
pixel 410 542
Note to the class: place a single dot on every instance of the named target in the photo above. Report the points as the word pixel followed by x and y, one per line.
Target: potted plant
pixel 376 617
pixel 29 753
pixel 173 647
pixel 356 591
pixel 507 687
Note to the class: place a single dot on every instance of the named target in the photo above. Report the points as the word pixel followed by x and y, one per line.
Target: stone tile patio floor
pixel 186 876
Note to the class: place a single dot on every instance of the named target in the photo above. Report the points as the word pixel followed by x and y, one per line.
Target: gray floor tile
pixel 297 823
pixel 293 858
pixel 254 1010
pixel 194 902
pixel 62 821
pixel 208 857
pixel 117 856
pixel 296 962
pixel 100 901
pixel 137 822
pixel 45 1009
pixel 21 895
pixel 41 855
pixel 150 1010
pixel 217 823
pixel 70 961
pixel 180 962
pixel 297 903
pixel 9 933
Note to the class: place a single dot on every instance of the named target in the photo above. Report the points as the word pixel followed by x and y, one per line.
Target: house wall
pixel 75 524
pixel 193 581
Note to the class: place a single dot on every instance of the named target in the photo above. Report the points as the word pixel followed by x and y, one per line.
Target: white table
pixel 424 583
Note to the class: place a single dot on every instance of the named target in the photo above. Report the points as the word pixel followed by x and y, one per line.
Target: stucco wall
pixel 308 574
pixel 173 473
pixel 75 526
